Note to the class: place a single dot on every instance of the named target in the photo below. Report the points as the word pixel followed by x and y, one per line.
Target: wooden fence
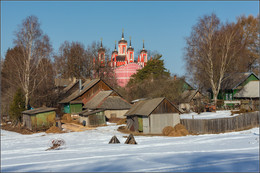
pixel 221 125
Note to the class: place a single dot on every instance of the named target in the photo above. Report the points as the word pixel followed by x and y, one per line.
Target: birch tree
pixel 212 50
pixel 34 46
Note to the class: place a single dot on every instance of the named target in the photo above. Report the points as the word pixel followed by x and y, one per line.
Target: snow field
pixel 90 151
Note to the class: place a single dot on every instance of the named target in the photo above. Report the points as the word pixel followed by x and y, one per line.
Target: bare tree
pixel 212 50
pixel 73 61
pixel 34 46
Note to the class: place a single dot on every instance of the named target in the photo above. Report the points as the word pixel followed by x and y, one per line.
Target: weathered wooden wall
pixel 221 125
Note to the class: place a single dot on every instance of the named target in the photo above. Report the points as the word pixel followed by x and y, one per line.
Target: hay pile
pixel 167 130
pixel 54 129
pixel 66 118
pixel 178 130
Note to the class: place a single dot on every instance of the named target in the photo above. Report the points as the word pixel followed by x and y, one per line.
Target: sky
pixel 163 25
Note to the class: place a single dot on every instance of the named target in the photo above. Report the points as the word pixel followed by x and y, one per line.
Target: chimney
pixel 175 77
pixel 80 85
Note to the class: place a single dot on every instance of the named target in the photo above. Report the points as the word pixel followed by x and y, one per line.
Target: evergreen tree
pixel 17 106
pixel 153 70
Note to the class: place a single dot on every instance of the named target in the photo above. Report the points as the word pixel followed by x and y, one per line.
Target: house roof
pixel 72 84
pixel 38 110
pixel 95 101
pixel 145 107
pixel 250 90
pixel 103 100
pixel 86 86
pixel 188 95
pixel 87 112
pixel 114 103
pixel 236 80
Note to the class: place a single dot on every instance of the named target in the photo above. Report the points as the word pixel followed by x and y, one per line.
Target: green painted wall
pixel 66 108
pixel 75 108
pixel 140 123
pixel 43 120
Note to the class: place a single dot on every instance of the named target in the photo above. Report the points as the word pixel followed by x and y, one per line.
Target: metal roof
pixel 38 110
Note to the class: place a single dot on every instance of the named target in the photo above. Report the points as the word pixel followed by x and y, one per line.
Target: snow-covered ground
pixel 208 115
pixel 90 151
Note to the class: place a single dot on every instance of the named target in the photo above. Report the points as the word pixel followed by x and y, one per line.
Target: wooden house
pixel 249 95
pixel 152 115
pixel 39 118
pixel 73 103
pixel 109 101
pixel 233 85
pixel 92 118
pixel 189 99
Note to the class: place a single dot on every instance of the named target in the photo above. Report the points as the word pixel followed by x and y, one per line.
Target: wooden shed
pixel 92 118
pixel 152 115
pixel 39 118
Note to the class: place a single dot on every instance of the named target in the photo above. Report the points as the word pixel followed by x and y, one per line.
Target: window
pixel 226 96
pixel 230 96
pixel 123 49
pixel 131 56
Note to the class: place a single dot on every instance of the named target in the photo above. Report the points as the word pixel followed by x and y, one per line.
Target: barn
pixel 39 118
pixel 152 115
pixel 92 118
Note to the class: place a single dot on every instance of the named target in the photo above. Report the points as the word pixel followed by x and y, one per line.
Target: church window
pixel 123 49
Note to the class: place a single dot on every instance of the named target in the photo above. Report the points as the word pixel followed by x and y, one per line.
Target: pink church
pixel 123 62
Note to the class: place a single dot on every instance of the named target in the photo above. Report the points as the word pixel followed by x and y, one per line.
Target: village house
pixel 189 100
pixel 152 115
pixel 113 105
pixel 94 95
pixel 39 119
pixel 230 87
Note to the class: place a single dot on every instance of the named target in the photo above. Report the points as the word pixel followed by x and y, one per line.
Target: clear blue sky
pixel 163 25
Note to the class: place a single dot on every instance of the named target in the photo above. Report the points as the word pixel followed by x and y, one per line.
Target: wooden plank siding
pixel 165 107
pixel 222 125
pixel 98 87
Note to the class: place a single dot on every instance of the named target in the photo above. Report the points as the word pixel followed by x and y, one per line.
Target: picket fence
pixel 221 125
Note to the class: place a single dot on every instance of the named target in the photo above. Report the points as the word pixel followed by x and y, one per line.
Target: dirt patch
pixel 121 121
pixel 76 127
pixel 54 129
pixel 18 129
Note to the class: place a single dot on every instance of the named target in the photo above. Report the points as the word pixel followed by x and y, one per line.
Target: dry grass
pixel 177 130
